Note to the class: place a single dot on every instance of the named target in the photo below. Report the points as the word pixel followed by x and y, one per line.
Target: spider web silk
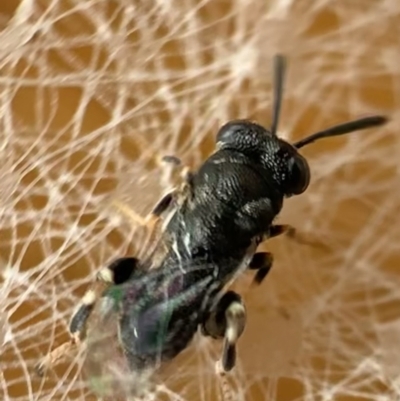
pixel 93 92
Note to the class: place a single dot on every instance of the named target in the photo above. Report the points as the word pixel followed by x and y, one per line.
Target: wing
pixel 142 323
pixel 105 367
pixel 161 312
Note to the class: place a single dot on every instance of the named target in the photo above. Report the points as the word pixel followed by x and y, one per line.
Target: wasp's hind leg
pixel 117 272
pixel 226 320
pixel 77 329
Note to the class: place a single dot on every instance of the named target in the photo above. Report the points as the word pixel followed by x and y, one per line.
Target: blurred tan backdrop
pixel 92 92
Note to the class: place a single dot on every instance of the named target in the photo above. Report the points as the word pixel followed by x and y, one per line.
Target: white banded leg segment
pixel 80 317
pixel 235 324
pixel 77 329
pixel 119 271
pixel 227 320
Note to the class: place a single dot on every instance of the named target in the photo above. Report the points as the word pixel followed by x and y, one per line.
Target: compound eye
pixel 229 132
pixel 299 175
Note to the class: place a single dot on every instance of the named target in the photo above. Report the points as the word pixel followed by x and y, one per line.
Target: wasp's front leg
pixel 226 320
pixel 171 166
pixel 166 202
pixel 154 216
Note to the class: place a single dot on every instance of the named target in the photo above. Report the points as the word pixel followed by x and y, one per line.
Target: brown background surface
pixel 82 120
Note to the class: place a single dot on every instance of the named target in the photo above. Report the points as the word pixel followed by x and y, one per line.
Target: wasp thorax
pixel 242 135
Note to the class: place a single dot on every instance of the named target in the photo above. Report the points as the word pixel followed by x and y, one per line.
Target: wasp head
pixel 276 157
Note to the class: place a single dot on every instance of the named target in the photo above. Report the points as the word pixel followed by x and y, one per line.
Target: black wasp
pixel 216 220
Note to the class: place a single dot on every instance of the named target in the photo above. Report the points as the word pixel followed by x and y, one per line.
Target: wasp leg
pixel 262 262
pixel 279 229
pixel 162 205
pixel 77 329
pixel 174 170
pixel 171 160
pixel 119 271
pixel 166 201
pixel 226 320
pixel 169 165
pixel 294 235
pixel 153 217
pixel 53 357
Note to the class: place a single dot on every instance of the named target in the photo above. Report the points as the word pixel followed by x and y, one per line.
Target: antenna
pixel 278 82
pixel 342 129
